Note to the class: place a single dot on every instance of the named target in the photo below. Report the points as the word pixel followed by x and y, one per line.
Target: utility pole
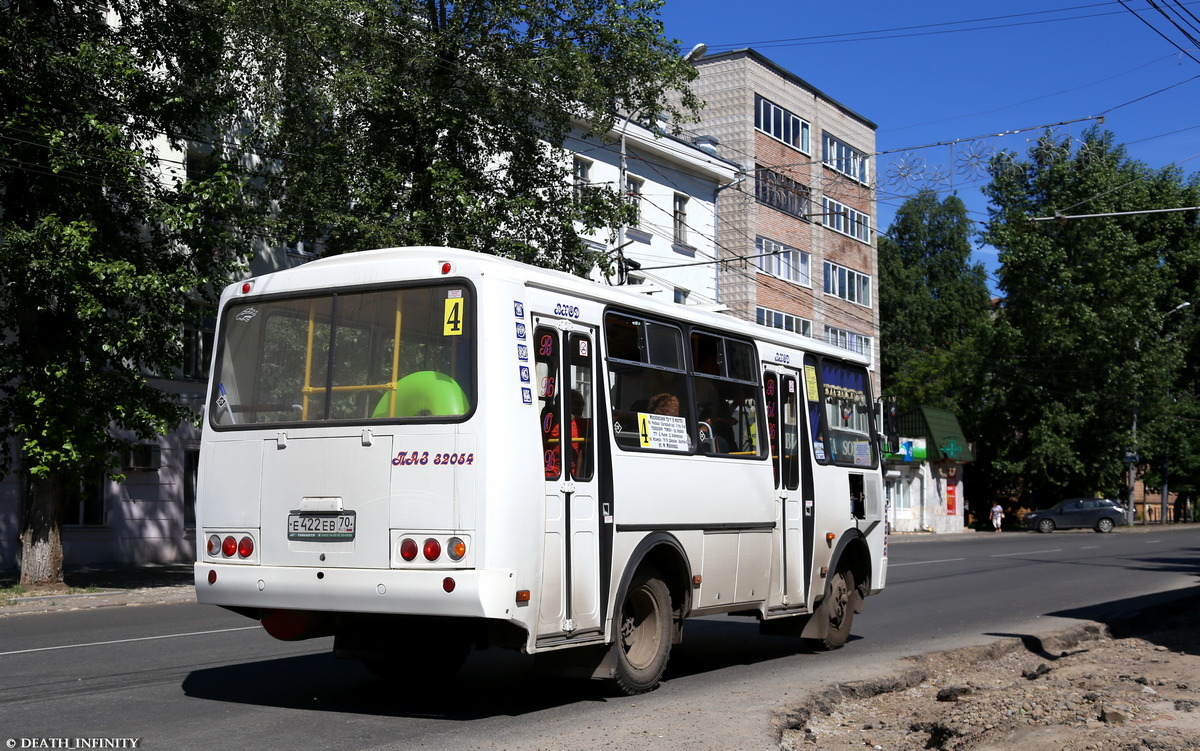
pixel 1131 460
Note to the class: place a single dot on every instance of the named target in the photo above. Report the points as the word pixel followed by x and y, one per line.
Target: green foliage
pixel 1089 327
pixel 431 122
pixel 101 239
pixel 934 304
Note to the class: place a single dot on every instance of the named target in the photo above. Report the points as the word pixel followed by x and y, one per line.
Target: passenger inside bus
pixel 578 437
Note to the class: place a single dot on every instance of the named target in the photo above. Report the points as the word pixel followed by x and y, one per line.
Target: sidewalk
pixel 96 587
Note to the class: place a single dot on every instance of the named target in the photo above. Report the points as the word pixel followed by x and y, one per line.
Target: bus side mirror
pixel 891 424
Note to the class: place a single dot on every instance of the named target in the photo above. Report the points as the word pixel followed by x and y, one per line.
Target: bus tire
pixel 838 610
pixel 643 634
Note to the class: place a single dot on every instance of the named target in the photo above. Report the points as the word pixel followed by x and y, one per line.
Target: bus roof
pixel 395 264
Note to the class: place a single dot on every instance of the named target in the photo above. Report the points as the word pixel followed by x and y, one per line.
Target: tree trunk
pixel 41 541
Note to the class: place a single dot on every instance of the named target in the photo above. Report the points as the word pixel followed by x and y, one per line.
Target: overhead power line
pixel 1063 217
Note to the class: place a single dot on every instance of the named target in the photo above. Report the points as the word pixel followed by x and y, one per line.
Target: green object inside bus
pixel 426 392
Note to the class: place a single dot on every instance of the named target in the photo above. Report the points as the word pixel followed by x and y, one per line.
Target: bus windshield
pixel 378 355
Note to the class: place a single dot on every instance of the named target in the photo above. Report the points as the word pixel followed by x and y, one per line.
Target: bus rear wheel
pixel 644 635
pixel 838 609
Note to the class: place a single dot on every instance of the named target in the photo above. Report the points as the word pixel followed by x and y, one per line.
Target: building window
pixel 782 125
pixel 841 218
pixel 581 177
pixel 633 196
pixel 843 158
pixel 847 284
pixel 681 295
pixel 197 348
pixel 783 193
pixel 85 508
pixel 783 261
pixel 680 219
pixel 848 340
pixel 778 320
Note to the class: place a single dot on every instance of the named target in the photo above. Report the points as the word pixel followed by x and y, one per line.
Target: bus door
pixel 566 382
pixel 795 514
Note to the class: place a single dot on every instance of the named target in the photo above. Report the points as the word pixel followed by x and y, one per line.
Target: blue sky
pixel 938 71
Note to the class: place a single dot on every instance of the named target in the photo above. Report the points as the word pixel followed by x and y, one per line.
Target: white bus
pixel 386 460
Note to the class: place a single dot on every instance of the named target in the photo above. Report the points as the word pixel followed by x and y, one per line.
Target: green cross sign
pixel 951 449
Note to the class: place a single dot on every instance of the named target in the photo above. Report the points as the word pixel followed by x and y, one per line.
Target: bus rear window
pixel 362 356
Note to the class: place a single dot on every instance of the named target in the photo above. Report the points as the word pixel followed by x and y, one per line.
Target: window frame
pixel 471 342
pixel 776 265
pixel 780 123
pixel 840 156
pixel 846 220
pixel 847 284
pixel 732 372
pixel 782 193
pixel 777 319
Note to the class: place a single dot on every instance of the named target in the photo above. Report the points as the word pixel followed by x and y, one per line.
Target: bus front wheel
pixel 644 635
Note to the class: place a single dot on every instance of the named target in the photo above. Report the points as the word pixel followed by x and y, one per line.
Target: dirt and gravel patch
pixel 1131 686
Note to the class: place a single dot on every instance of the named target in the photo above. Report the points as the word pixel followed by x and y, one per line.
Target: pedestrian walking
pixel 997 515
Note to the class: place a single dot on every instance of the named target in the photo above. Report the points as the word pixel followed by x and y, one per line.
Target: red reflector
pixel 408 549
pixel 448 584
pixel 246 547
pixel 212 577
pixel 229 546
pixel 433 549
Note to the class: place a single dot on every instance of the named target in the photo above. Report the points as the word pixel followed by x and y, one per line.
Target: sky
pixel 962 73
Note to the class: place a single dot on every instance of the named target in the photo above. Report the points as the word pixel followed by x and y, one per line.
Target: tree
pixel 429 122
pixel 1085 335
pixel 933 306
pixel 101 238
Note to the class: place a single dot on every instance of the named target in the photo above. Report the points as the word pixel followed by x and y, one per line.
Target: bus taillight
pixel 246 547
pixel 229 546
pixel 214 544
pixel 408 549
pixel 432 550
pixel 456 548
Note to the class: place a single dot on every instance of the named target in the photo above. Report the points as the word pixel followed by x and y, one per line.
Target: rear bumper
pixel 476 594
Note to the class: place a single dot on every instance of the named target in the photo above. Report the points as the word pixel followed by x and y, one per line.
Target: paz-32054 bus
pixel 422 450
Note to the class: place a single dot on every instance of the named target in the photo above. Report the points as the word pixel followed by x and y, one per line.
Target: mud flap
pixel 597 662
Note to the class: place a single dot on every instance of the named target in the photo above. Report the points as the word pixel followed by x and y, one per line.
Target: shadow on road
pixel 492 683
pixel 1167 619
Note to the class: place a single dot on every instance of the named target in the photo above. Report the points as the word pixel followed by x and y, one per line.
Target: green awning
pixel 944 438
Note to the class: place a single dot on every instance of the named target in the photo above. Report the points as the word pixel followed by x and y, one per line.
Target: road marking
pixel 126 641
pixel 1028 552
pixel 918 563
pixel 1089 547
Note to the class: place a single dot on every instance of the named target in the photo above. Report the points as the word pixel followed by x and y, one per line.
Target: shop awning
pixel 944 438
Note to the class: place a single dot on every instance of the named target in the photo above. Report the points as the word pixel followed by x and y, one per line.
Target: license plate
pixel 321 527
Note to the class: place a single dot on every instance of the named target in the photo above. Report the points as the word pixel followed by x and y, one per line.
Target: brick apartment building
pixel 800 232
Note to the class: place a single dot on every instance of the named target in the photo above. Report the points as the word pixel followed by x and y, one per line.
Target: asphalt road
pixel 185 676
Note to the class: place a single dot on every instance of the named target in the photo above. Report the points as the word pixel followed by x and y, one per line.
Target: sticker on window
pixel 452 324
pixel 663 432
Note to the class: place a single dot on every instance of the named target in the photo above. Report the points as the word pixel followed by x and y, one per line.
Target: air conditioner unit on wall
pixel 145 456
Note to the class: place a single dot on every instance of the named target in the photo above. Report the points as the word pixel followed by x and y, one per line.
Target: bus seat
pixel 426 392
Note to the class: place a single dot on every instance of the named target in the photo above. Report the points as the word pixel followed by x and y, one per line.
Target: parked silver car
pixel 1099 514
